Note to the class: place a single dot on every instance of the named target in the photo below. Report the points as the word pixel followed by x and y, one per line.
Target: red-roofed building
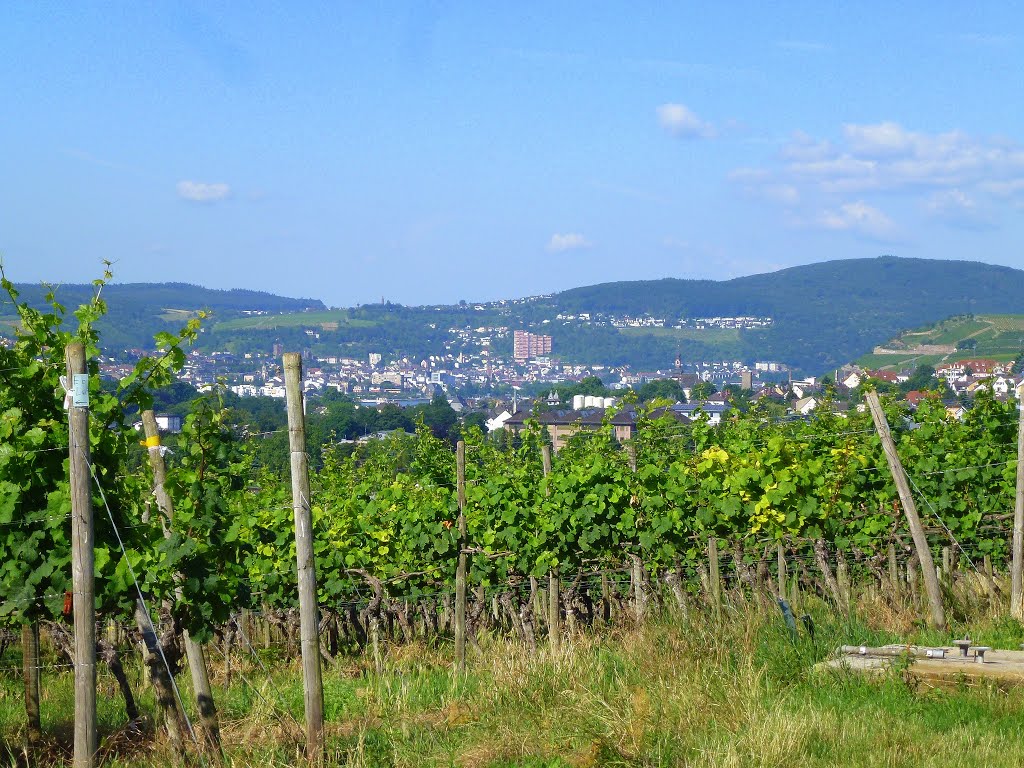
pixel 915 396
pixel 978 366
pixel 889 376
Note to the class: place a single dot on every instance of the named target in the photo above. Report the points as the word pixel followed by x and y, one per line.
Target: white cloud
pixel 571 241
pixel 759 183
pixel 957 209
pixel 887 156
pixel 859 218
pixel 680 121
pixel 802 147
pixel 203 192
pixel 950 176
pixel 1007 188
pixel 885 139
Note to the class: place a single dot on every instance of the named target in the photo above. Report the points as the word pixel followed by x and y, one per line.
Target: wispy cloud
pixel 758 183
pixel 203 192
pixel 860 218
pixel 571 241
pixel 957 209
pixel 888 156
pixel 681 122
pixel 951 176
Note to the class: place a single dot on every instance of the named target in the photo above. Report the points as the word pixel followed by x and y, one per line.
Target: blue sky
pixel 432 152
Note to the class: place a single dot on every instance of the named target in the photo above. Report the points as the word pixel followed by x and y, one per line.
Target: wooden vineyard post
pixel 715 575
pixel 913 579
pixel 460 573
pixel 894 572
pixel 843 580
pixel 1017 556
pixel 636 561
pixel 193 650
pixel 308 613
pixel 781 575
pixel 990 584
pixel 554 598
pixel 637 577
pixel 924 554
pixel 30 673
pixel 82 558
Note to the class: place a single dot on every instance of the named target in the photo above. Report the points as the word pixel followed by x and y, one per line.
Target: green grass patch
pixel 177 315
pixel 293 320
pixel 950 332
pixel 897 362
pixel 679 691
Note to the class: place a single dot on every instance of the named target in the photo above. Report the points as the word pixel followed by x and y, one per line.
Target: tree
pixel 922 379
pixel 702 391
pixel 739 397
pixel 439 416
pixel 965 344
pixel 589 385
pixel 662 389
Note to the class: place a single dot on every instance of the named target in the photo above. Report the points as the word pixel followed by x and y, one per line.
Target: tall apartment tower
pixel 526 345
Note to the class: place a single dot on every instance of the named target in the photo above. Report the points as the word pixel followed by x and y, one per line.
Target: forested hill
pixel 825 314
pixel 138 310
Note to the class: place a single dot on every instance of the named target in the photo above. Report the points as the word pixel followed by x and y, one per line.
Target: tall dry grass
pixel 737 690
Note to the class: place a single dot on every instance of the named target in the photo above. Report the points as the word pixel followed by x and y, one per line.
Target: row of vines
pixel 609 519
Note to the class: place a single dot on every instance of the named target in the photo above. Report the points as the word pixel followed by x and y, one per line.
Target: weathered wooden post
pixel 781 575
pixel 894 573
pixel 82 558
pixel 843 580
pixel 308 612
pixel 636 560
pixel 193 651
pixel 460 572
pixel 30 676
pixel 913 579
pixel 714 574
pixel 1017 556
pixel 924 554
pixel 554 598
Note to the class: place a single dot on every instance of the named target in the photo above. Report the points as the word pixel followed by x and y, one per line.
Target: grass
pixel 999 337
pixel 677 691
pixel 292 320
pixel 950 331
pixel 177 315
pixel 873 362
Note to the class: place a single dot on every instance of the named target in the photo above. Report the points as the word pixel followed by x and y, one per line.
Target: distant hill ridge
pixel 825 314
pixel 137 310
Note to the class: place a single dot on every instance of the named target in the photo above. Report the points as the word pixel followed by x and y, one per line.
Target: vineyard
pixel 195 554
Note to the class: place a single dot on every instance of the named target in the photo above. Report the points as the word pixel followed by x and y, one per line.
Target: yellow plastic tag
pixel 151 442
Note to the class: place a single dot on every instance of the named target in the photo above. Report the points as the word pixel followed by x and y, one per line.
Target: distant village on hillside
pixel 507 391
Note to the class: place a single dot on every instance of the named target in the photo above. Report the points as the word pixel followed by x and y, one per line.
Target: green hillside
pixel 138 310
pixel 997 337
pixel 273 322
pixel 825 314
